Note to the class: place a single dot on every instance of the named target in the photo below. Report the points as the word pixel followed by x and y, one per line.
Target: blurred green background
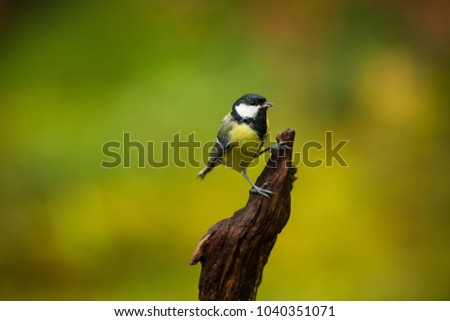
pixel 76 74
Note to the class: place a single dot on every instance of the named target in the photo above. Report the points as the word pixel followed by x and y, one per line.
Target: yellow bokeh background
pixel 77 74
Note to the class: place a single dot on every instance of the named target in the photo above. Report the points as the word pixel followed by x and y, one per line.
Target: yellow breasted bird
pixel 240 138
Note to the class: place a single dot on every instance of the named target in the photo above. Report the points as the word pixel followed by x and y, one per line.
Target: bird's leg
pixel 255 189
pixel 277 146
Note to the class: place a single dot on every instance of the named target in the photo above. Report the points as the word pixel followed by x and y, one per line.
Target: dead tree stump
pixel 233 251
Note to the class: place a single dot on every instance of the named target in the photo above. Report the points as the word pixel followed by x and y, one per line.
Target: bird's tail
pixel 204 171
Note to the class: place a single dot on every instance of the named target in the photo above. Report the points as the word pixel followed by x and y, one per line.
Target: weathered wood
pixel 233 251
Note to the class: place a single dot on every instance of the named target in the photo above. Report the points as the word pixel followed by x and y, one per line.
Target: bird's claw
pixel 262 190
pixel 281 146
pixel 276 147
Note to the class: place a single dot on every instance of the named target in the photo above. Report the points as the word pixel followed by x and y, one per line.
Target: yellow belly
pixel 243 147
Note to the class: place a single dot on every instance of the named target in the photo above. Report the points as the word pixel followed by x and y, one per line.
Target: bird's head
pixel 248 106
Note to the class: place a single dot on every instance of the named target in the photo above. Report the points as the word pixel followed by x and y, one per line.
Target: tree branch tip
pixel 287 136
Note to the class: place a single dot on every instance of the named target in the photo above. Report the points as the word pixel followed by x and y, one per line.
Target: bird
pixel 240 138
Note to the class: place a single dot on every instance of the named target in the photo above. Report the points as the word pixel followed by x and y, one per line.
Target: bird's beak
pixel 267 104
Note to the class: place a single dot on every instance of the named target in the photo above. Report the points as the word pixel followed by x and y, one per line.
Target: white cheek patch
pixel 246 111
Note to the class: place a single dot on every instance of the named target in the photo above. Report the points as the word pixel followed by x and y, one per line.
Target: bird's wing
pixel 222 140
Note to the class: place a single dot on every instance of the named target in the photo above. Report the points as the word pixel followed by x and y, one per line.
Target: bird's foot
pixel 276 147
pixel 262 190
pixel 280 146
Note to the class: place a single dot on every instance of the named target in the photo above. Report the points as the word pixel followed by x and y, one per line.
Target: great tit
pixel 240 138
